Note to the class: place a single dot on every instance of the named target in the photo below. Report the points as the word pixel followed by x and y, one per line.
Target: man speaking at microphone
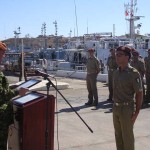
pixel 6 109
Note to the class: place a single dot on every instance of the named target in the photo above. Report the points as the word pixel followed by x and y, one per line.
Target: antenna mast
pixel 17 37
pixel 130 10
pixel 43 33
pixel 56 37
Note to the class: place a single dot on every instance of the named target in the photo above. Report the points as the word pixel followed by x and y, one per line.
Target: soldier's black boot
pixel 89 103
pixel 109 100
pixel 95 103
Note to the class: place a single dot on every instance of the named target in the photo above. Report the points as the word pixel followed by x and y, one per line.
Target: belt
pixel 121 104
pixel 92 73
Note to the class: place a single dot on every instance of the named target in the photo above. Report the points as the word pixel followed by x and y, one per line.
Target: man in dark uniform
pixel 112 66
pixel 6 110
pixel 127 84
pixel 147 75
pixel 102 66
pixel 139 65
pixel 93 68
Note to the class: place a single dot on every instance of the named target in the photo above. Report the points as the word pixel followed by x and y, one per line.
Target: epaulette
pixel 133 69
pixel 141 60
pixel 1 73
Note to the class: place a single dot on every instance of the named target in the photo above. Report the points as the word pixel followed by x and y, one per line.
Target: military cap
pixel 91 49
pixel 3 46
pixel 125 49
pixel 133 49
pixel 135 52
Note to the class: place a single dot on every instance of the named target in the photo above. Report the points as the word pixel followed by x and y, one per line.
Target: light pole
pixel 56 37
pixel 16 37
pixel 43 33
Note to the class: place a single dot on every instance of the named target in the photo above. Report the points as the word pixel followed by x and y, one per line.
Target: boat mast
pixel 132 29
pixel 76 17
pixel 130 13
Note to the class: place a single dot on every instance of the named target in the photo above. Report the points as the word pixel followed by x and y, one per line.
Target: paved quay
pixel 72 132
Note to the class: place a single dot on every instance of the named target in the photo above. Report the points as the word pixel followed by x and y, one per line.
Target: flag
pixel 126 13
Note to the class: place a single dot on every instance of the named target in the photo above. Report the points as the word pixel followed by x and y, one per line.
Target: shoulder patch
pixel 141 61
pixel 138 80
pixel 133 69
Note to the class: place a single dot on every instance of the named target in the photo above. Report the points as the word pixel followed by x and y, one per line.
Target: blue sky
pixel 98 15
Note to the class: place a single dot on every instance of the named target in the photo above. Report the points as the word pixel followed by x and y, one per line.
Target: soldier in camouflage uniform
pixel 127 84
pixel 93 68
pixel 6 109
pixel 147 74
pixel 112 66
pixel 139 65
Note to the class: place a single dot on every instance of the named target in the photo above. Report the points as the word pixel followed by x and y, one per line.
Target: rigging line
pixel 76 17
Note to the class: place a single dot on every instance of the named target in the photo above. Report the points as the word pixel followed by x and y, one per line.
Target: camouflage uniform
pixel 6 110
pixel 93 68
pixel 125 83
pixel 112 66
pixel 147 74
pixel 140 66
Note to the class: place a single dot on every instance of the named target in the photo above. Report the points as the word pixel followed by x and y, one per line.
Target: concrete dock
pixel 72 134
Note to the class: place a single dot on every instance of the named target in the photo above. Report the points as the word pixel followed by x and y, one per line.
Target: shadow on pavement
pixel 71 110
pixel 101 105
pixel 105 105
pixel 146 105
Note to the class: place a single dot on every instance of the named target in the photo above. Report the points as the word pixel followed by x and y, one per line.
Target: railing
pixel 80 68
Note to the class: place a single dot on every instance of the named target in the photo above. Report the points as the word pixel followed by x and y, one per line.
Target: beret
pixel 3 46
pixel 124 49
pixel 91 49
pixel 135 52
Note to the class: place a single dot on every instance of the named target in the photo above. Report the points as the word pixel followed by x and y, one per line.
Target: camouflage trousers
pixel 6 118
pixel 91 81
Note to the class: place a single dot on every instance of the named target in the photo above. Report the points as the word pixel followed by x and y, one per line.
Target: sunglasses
pixel 119 54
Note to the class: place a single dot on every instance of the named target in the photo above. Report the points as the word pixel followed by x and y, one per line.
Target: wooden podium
pixel 36 125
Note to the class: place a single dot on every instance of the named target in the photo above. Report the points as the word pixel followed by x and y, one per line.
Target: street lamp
pixel 16 36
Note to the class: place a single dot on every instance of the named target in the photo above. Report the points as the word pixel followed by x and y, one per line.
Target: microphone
pixel 43 74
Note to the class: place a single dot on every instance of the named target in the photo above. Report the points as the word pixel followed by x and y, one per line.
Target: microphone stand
pixel 48 86
pixel 46 114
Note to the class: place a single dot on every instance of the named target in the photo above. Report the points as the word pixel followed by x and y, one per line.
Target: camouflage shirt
pixel 93 65
pixel 125 84
pixel 111 62
pixel 147 64
pixel 139 65
pixel 6 110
